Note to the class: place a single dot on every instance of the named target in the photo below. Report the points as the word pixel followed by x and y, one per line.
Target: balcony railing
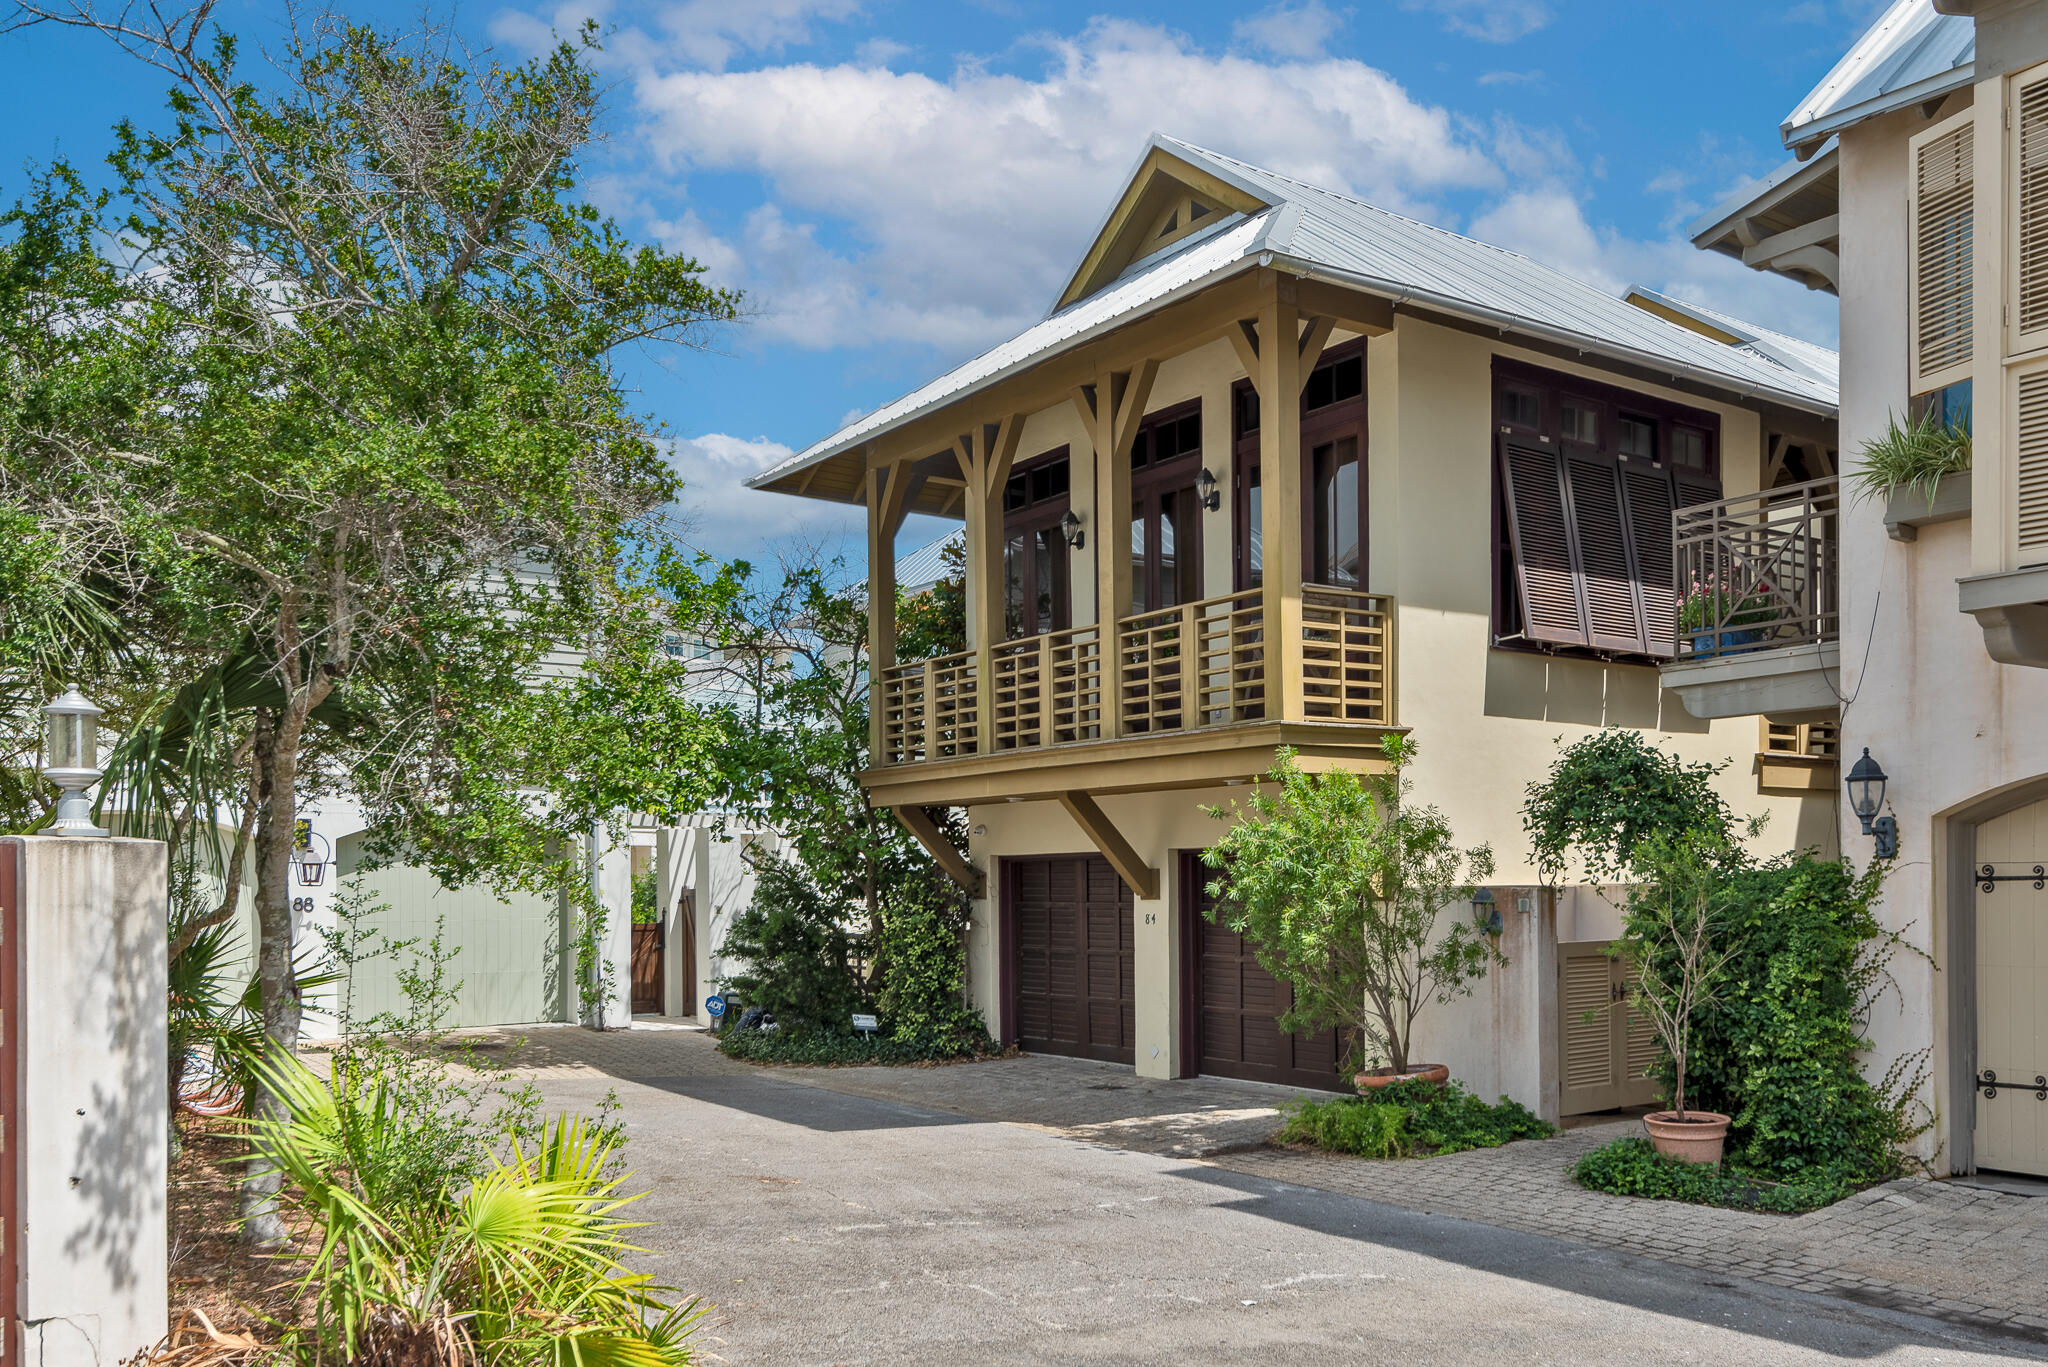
pixel 1201 664
pixel 1758 571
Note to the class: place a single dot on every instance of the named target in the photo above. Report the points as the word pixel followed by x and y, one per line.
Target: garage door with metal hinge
pixel 1235 1006
pixel 1071 954
pixel 1605 1049
pixel 2011 959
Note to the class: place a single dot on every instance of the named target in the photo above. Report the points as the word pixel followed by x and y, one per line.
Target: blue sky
pixel 897 186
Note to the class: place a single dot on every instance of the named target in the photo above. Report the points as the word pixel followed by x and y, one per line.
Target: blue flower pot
pixel 1703 642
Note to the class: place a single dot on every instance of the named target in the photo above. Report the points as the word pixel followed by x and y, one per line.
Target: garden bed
pixel 1408 1120
pixel 1630 1167
pixel 212 1272
pixel 807 1049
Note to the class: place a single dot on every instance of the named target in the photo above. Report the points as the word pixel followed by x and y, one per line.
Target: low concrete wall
pixel 93 1125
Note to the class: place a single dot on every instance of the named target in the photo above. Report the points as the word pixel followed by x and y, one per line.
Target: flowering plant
pixel 1711 603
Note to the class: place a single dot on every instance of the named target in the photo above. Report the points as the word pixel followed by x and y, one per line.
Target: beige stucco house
pixel 1284 469
pixel 1920 196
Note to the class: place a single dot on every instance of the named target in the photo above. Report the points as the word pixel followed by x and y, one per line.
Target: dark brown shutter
pixel 1539 533
pixel 1647 493
pixel 1607 571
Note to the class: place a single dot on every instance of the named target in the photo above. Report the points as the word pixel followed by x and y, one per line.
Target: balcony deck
pixel 1759 617
pixel 1195 703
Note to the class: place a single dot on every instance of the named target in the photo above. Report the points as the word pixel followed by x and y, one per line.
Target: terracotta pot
pixel 1386 1077
pixel 1696 1139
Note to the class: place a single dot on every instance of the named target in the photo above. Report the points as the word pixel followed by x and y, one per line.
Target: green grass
pixel 1409 1120
pixel 1631 1167
pixel 818 1049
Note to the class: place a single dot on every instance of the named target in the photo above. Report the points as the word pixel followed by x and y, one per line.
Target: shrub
pixel 1630 1167
pixel 923 965
pixel 1409 1119
pixel 646 889
pixel 820 1048
pixel 795 950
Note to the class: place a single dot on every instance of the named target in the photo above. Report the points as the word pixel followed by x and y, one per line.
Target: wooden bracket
pixel 1139 877
pixel 919 823
pixel 1244 340
pixel 1314 338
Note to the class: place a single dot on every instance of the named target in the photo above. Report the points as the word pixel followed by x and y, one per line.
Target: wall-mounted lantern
pixel 1486 912
pixel 1866 798
pixel 71 760
pixel 1205 490
pixel 312 860
pixel 1070 528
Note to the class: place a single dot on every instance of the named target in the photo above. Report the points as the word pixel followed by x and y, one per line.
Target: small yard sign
pixel 715 1005
pixel 865 1024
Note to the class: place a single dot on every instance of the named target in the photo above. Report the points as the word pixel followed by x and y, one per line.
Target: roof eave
pixel 1805 139
pixel 1786 181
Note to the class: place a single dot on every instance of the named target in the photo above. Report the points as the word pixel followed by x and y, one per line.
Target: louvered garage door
pixel 1605 1049
pixel 1235 1006
pixel 1070 949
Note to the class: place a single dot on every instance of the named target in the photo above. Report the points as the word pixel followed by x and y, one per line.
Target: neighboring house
pixel 1284 469
pixel 1921 197
pixel 516 959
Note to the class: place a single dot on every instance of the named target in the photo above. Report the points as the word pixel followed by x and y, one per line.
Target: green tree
pixel 1610 791
pixel 1338 882
pixel 353 417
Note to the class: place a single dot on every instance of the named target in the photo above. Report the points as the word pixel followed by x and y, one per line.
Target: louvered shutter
pixel 1648 495
pixel 2028 308
pixel 1942 232
pixel 1539 533
pixel 1607 570
pixel 2030 461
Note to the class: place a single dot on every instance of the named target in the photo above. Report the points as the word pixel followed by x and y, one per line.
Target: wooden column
pixel 1112 408
pixel 985 457
pixel 887 499
pixel 1279 380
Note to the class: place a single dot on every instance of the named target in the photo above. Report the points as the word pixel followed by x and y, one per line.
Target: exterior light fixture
pixel 1070 528
pixel 1205 490
pixel 312 862
pixel 1866 798
pixel 1486 912
pixel 71 752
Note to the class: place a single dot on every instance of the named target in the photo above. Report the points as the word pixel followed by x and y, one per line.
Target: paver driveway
pixel 830 1226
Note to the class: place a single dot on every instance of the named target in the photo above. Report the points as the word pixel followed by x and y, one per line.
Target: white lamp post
pixel 71 752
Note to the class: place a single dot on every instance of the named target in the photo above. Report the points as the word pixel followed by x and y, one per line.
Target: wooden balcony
pixel 1761 570
pixel 1192 700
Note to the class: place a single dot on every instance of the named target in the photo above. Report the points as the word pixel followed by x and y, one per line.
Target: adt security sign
pixel 865 1024
pixel 715 1005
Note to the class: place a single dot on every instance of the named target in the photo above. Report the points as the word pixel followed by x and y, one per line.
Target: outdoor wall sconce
pixel 1205 490
pixel 71 753
pixel 1866 798
pixel 1486 912
pixel 312 863
pixel 1070 527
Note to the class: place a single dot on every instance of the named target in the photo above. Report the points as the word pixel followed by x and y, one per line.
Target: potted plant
pixel 1336 880
pixel 1709 604
pixel 1670 931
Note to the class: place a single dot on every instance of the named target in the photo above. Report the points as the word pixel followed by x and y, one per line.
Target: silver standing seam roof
pixel 1322 234
pixel 1909 55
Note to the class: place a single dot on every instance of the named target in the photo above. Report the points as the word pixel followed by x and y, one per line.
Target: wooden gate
pixel 2011 1124
pixel 647 975
pixel 10 1096
pixel 1604 1049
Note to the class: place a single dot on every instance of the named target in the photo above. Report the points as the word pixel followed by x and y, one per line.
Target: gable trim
pixel 1115 246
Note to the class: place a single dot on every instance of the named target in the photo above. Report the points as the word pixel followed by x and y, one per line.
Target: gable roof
pixel 1322 234
pixel 1911 54
pixel 1794 353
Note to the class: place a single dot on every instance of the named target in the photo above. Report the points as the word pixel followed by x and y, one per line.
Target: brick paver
pixel 1963 1254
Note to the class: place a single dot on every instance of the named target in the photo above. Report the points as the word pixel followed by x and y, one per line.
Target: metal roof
pixel 1322 234
pixel 926 565
pixel 1909 55
pixel 1808 358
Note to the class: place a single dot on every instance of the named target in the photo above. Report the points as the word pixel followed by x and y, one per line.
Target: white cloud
pixel 904 207
pixel 1492 21
pixel 707 33
pixel 1297 30
pixel 1509 77
pixel 729 520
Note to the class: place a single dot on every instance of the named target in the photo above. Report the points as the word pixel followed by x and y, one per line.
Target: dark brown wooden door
pixel 647 945
pixel 1070 950
pixel 1234 1007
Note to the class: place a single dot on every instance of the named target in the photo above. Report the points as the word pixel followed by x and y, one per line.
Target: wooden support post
pixel 1279 380
pixel 888 490
pixel 1112 411
pixel 919 823
pixel 1190 668
pixel 1141 878
pixel 985 456
pixel 1045 690
pixel 931 711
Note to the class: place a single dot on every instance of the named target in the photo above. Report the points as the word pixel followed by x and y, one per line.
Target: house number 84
pixel 1151 918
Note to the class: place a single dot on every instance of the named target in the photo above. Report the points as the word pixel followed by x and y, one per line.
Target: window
pixel 1520 407
pixel 1583 512
pixel 1333 476
pixel 1166 522
pixel 1035 553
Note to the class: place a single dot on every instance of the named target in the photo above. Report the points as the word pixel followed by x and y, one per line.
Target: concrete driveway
pixel 829 1226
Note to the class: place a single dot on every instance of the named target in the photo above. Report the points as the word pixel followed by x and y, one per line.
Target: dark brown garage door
pixel 1070 957
pixel 1234 1007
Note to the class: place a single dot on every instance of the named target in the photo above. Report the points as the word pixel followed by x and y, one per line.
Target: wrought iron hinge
pixel 1988 1080
pixel 1988 881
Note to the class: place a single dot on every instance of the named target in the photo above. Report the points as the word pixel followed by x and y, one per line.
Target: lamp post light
pixel 1866 798
pixel 71 752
